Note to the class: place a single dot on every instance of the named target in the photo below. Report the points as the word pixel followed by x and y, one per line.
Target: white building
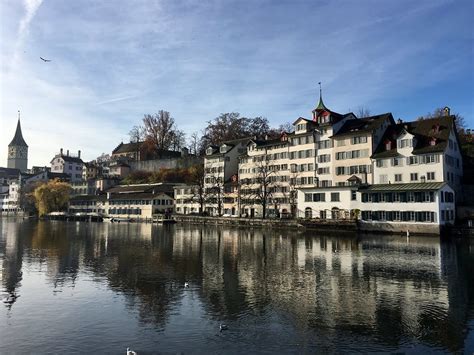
pixel 220 164
pixel 68 164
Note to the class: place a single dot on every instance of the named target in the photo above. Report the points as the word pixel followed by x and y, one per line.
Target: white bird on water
pixel 186 285
pixel 223 327
pixel 131 352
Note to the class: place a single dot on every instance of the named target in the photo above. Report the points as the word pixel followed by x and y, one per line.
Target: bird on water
pixel 223 327
pixel 131 352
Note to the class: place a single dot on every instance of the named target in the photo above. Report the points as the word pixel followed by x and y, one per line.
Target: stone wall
pixel 166 163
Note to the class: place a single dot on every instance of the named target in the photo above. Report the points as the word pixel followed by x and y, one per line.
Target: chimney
pixel 399 121
pixel 67 152
pixel 78 153
pixel 61 151
pixel 447 111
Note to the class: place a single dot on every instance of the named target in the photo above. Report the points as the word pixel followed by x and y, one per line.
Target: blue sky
pixel 114 61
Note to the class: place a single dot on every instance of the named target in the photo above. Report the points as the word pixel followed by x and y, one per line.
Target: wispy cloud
pixel 115 61
pixel 30 7
pixel 115 100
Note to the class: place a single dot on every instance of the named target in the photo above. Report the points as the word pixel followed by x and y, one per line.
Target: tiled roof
pixel 366 124
pixel 418 186
pixel 9 172
pixel 72 159
pixel 424 131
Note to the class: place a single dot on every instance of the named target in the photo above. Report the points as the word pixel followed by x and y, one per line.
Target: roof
pixel 89 198
pixel 69 159
pixel 360 125
pixel 134 147
pixel 18 138
pixel 268 142
pixel 418 186
pixel 424 131
pixel 9 173
pixel 137 196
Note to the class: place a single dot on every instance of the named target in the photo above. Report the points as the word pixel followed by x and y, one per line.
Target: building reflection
pixel 389 288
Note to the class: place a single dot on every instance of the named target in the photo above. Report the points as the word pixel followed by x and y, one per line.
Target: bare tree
pixel 160 131
pixel 293 185
pixel 194 143
pixel 197 180
pixel 443 111
pixel 260 189
pixel 363 112
pixel 136 137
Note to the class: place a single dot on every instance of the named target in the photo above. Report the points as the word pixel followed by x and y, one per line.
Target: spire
pixel 321 106
pixel 18 138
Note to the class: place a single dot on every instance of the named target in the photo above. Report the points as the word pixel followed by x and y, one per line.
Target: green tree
pixel 52 196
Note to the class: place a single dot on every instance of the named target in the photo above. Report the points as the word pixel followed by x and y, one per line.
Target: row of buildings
pixel 381 172
pixel 337 166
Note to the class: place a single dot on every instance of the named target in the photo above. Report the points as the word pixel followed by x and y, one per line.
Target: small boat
pixel 164 219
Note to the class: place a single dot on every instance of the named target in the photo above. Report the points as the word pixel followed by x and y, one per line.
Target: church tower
pixel 18 150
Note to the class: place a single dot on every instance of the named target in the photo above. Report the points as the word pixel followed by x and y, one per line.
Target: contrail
pixel 31 7
pixel 116 99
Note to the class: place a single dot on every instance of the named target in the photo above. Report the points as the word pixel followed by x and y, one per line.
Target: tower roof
pixel 321 106
pixel 18 138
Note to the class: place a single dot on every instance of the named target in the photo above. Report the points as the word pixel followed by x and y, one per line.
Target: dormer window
pixel 223 148
pixel 209 151
pixel 388 145
pixel 301 127
pixel 284 138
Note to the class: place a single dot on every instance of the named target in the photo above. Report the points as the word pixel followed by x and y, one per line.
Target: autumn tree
pixel 52 196
pixel 161 133
pixel 231 125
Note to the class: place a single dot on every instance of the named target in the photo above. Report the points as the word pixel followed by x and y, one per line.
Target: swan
pixel 186 284
pixel 223 327
pixel 131 352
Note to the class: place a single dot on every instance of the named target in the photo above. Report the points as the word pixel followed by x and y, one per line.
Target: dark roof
pixel 404 187
pixel 424 131
pixel 18 138
pixel 9 173
pixel 72 159
pixel 366 124
pixel 89 198
pixel 126 148
pixel 268 142
pixel 138 196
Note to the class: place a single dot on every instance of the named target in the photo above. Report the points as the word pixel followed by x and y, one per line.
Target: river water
pixel 79 287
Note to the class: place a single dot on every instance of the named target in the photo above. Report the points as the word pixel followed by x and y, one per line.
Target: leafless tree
pixel 197 181
pixel 440 112
pixel 160 131
pixel 136 137
pixel 363 112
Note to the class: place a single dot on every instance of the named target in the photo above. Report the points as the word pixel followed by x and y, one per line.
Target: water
pixel 78 287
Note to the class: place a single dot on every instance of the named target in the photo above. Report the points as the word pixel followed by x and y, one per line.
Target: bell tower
pixel 18 150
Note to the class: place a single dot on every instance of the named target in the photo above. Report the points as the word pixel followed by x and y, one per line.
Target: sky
pixel 114 61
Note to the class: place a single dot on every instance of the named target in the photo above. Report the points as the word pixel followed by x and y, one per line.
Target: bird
pixel 45 60
pixel 186 284
pixel 131 352
pixel 223 327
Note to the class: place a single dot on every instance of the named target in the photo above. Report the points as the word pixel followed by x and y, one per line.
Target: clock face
pixel 11 152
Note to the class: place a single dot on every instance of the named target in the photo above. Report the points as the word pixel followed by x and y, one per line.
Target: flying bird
pixel 45 60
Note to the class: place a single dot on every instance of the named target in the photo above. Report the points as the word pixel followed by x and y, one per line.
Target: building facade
pixel 68 164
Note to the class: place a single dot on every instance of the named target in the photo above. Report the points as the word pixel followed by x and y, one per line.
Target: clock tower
pixel 18 150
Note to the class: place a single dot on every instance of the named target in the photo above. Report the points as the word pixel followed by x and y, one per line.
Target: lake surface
pixel 80 287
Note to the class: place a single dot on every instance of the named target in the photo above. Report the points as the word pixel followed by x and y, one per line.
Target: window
pixel 413 177
pixel 319 197
pixel 398 177
pixel 405 143
pixel 430 176
pixel 324 158
pixel 353 195
pixel 412 160
pixel 335 196
pixel 301 127
pixel 359 139
pixel 395 162
pixel 380 163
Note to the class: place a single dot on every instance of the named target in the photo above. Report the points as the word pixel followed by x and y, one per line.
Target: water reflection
pixel 303 291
